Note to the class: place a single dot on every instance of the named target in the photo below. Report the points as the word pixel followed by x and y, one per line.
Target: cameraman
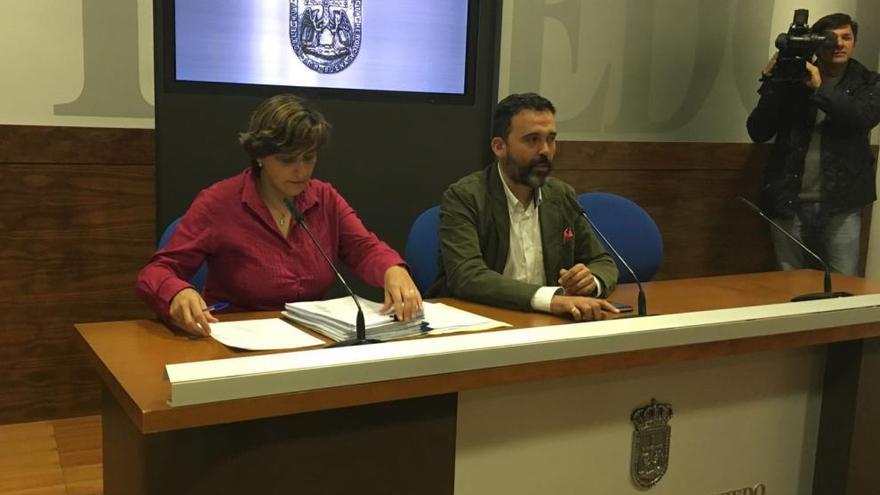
pixel 821 170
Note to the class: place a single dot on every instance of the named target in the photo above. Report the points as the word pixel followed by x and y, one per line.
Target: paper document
pixel 446 319
pixel 262 335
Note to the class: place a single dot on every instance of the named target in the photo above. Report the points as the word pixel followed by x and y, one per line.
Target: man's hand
pixel 768 69
pixel 581 308
pixel 188 310
pixel 814 77
pixel 401 293
pixel 578 281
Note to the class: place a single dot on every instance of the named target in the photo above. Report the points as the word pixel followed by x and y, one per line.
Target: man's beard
pixel 527 175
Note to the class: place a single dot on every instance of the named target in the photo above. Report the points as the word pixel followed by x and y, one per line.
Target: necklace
pixel 280 218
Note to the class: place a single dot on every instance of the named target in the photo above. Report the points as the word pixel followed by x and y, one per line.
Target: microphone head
pixel 576 204
pixel 293 211
pixel 751 205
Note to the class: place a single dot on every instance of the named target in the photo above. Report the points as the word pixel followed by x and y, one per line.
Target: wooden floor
pixel 51 457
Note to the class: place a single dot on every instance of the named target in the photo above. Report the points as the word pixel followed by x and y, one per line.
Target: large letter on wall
pixel 640 50
pixel 751 27
pixel 527 47
pixel 111 87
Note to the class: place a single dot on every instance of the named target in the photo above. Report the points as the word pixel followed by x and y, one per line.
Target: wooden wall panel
pixel 39 144
pixel 706 232
pixel 599 155
pixel 690 191
pixel 77 221
pixel 76 224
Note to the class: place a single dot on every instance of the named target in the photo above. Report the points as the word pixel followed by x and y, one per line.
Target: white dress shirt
pixel 525 256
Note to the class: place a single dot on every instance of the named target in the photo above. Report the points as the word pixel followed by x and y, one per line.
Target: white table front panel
pixel 738 421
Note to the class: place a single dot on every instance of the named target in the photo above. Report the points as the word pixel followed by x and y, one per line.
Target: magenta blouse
pixel 250 263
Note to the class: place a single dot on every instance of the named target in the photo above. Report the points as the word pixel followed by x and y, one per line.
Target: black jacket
pixel 788 112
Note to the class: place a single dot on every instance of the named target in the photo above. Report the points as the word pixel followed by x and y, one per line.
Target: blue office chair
pixel 197 280
pixel 630 229
pixel 422 248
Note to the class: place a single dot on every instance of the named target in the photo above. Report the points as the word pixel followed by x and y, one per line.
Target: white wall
pixel 648 70
pixel 50 46
pixel 617 70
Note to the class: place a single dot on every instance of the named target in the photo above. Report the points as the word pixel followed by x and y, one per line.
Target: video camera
pixel 797 46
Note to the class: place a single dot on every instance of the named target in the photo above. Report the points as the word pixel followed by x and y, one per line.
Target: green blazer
pixel 475 237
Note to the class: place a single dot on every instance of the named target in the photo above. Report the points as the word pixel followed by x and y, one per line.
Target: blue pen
pixel 217 306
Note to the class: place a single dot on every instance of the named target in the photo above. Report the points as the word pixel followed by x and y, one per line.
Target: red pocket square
pixel 567 234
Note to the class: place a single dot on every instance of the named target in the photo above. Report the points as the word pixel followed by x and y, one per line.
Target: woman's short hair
pixel 284 124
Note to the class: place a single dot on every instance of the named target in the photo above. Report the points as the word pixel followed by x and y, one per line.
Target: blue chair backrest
pixel 422 248
pixel 197 280
pixel 630 229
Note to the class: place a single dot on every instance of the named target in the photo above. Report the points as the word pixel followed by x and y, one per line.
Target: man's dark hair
pixel 513 105
pixel 834 21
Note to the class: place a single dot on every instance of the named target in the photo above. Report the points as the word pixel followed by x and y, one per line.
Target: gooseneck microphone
pixel 826 293
pixel 360 325
pixel 642 304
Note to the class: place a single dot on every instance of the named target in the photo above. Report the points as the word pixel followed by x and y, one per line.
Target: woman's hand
pixel 189 312
pixel 402 294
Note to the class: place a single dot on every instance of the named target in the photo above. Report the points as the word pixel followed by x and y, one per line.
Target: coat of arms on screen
pixel 325 34
pixel 650 449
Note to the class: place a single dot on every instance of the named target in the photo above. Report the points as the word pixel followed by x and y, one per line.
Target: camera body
pixel 797 46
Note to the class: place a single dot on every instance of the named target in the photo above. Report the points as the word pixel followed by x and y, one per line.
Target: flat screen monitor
pixel 411 47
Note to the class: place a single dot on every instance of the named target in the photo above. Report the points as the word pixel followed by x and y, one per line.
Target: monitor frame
pixel 173 85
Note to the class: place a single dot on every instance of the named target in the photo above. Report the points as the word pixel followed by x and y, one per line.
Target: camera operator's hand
pixel 768 69
pixel 814 77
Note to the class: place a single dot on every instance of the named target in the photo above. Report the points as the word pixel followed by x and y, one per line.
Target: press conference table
pixel 398 436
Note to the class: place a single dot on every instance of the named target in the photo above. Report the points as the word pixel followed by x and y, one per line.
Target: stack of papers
pixel 275 333
pixel 336 319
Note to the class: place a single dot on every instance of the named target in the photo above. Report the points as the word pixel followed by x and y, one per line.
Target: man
pixel 512 236
pixel 821 170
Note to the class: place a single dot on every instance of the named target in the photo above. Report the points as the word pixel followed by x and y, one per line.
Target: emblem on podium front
pixel 326 34
pixel 650 449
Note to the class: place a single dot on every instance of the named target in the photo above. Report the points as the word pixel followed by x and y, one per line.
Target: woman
pixel 258 257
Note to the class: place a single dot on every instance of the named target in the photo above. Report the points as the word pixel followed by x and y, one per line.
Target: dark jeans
pixel 834 237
